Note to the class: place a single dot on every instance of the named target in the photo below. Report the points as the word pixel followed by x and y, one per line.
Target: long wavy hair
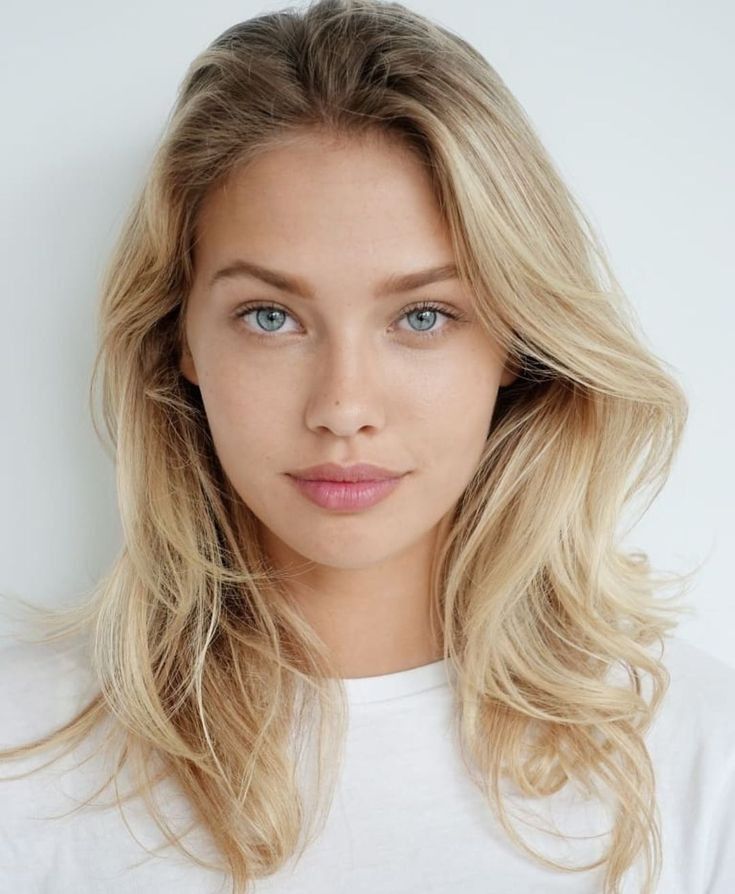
pixel 203 662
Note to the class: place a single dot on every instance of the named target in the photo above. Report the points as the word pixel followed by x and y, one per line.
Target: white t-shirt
pixel 406 819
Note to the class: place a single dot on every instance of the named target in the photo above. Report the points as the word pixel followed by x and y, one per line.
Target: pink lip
pixel 336 472
pixel 346 494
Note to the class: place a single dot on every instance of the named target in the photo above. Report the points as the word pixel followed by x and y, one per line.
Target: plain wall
pixel 634 102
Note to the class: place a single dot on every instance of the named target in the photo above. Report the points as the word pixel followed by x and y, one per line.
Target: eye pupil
pixel 268 314
pixel 420 313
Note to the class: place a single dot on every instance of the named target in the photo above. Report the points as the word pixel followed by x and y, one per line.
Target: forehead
pixel 315 195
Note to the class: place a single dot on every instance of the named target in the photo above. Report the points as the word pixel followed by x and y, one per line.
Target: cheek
pixel 247 414
pixel 454 425
pixel 460 403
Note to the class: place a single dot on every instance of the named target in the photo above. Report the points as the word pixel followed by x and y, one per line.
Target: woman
pixel 308 674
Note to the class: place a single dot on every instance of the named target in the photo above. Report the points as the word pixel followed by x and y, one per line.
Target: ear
pixel 509 374
pixel 186 365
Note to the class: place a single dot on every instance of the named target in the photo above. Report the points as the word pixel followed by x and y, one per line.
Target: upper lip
pixel 335 472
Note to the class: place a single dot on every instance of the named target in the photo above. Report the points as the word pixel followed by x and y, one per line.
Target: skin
pixel 345 376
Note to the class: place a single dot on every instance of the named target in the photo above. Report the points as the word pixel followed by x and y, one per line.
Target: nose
pixel 347 392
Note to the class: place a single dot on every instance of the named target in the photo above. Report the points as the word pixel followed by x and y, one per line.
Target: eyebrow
pixel 392 285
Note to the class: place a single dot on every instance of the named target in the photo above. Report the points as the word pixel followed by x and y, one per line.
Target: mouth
pixel 346 495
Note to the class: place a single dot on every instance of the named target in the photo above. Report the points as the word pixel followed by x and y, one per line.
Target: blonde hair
pixel 201 658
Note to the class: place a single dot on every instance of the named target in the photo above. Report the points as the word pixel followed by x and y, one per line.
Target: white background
pixel 634 101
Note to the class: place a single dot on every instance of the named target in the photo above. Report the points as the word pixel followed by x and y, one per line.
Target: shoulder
pixel 695 664
pixel 692 745
pixel 701 694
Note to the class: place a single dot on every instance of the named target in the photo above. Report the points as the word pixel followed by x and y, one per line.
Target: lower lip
pixel 346 494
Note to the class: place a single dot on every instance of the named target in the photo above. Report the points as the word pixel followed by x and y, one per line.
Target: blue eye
pixel 271 316
pixel 267 316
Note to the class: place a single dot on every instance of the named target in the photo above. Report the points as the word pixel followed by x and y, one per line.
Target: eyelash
pixel 452 315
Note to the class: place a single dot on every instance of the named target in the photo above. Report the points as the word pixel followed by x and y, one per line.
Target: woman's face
pixel 349 371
